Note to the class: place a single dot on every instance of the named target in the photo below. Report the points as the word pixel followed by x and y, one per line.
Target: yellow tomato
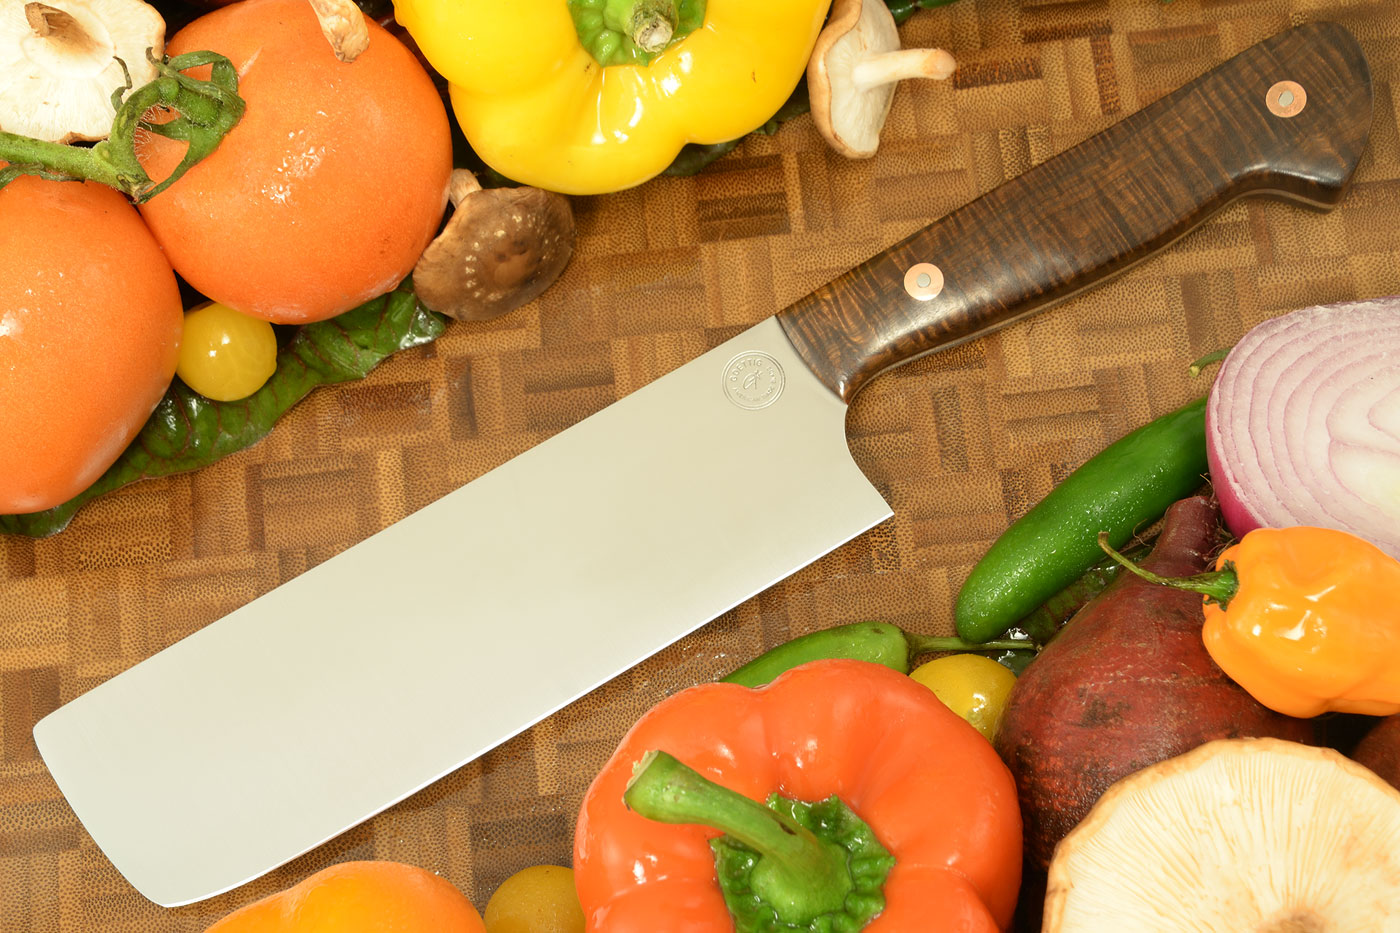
pixel 540 899
pixel 226 356
pixel 973 686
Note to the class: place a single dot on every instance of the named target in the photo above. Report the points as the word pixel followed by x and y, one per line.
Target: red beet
pixel 1127 683
pixel 1379 749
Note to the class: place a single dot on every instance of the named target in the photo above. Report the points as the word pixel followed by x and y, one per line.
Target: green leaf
pixel 188 431
pixel 903 9
pixel 796 105
pixel 693 157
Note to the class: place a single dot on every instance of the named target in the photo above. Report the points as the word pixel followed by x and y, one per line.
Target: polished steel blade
pixel 381 670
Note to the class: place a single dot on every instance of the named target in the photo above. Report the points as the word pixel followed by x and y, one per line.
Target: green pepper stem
pixel 1218 586
pixel 802 876
pixel 648 23
pixel 1214 356
pixel 926 644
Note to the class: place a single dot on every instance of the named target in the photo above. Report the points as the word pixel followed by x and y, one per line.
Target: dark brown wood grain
pixel 1100 207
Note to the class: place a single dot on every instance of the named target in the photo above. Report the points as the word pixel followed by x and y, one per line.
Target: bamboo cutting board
pixel 960 443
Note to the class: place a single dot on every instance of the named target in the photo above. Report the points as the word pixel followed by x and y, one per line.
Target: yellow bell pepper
pixel 539 108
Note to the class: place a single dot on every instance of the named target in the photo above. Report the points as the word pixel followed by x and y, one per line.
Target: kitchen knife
pixel 330 698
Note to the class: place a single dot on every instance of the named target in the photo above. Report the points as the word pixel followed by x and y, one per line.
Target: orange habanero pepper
pixel 941 805
pixel 1305 619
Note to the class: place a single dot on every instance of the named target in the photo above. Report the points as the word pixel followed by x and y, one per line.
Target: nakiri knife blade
pixel 327 700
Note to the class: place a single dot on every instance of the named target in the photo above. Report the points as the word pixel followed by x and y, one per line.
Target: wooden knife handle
pixel 1096 209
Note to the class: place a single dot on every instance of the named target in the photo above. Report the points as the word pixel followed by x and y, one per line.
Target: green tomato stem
pixel 28 156
pixel 803 876
pixel 204 112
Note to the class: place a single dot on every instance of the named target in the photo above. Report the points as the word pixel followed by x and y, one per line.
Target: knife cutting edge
pixel 330 698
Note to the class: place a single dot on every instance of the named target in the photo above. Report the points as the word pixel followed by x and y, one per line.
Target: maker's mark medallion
pixel 753 380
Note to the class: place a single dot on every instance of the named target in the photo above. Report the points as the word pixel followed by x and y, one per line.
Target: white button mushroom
pixel 59 63
pixel 855 66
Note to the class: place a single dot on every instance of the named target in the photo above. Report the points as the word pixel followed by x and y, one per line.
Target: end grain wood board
pixel 960 443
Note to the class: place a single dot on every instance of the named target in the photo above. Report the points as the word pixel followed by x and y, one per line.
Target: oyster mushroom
pixel 855 66
pixel 1239 834
pixel 60 61
pixel 501 249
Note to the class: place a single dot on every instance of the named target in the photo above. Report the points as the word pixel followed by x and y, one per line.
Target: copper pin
pixel 1286 99
pixel 923 281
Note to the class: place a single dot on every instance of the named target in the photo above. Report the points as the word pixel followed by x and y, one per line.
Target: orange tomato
pixel 90 323
pixel 360 897
pixel 330 187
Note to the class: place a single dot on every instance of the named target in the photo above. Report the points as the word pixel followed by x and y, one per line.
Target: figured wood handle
pixel 1100 207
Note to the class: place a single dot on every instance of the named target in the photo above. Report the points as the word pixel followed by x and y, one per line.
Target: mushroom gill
pixel 60 61
pixel 1237 836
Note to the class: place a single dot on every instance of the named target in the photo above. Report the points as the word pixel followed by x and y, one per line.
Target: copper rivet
pixel 923 281
pixel 1286 99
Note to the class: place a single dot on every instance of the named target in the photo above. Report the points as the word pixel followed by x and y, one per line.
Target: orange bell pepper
pixel 929 786
pixel 360 897
pixel 1305 619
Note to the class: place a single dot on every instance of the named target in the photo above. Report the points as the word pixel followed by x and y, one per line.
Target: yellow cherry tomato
pixel 226 356
pixel 540 899
pixel 973 686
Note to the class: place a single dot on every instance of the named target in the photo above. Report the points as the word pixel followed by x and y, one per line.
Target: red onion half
pixel 1303 424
